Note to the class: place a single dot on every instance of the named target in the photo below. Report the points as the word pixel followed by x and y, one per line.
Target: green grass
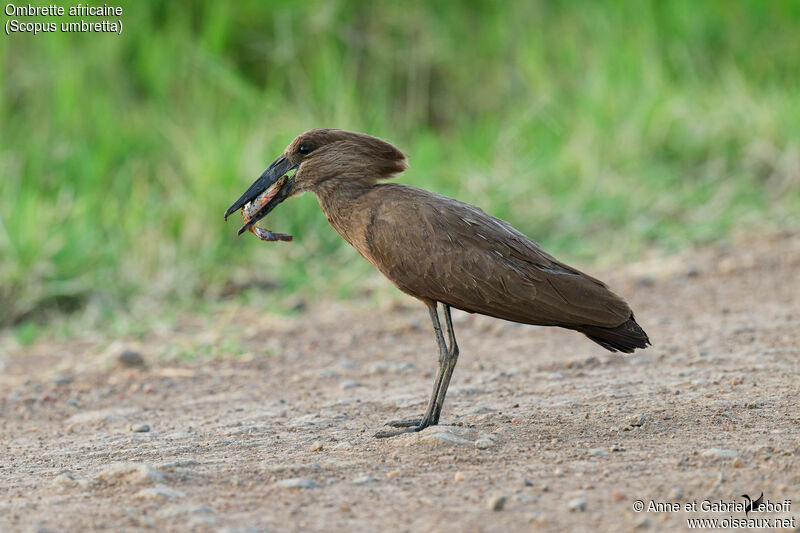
pixel 597 128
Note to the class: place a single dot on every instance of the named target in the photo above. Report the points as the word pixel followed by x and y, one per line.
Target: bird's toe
pixel 405 422
pixel 386 433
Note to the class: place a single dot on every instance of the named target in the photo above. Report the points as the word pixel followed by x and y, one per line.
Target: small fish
pixel 251 209
pixel 267 235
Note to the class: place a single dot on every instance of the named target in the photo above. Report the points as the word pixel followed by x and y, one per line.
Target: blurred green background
pixel 600 129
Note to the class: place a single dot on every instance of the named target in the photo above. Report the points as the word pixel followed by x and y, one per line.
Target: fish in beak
pixel 270 189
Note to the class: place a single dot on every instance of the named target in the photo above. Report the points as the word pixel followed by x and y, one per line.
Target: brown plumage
pixel 440 250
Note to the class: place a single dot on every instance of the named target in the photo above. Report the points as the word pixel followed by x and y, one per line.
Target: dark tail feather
pixel 624 338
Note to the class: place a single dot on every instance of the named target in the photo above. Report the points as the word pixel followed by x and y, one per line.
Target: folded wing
pixel 435 247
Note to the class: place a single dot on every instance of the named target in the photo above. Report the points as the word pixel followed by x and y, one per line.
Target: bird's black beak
pixel 278 169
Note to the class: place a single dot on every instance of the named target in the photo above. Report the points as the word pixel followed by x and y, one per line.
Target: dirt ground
pixel 547 431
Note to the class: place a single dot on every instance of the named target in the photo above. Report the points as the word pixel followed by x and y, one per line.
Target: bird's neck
pixel 339 199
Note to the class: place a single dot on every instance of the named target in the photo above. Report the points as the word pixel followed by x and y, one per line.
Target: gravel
pixel 439 437
pixel 497 502
pixel 296 483
pixel 636 421
pixel 131 358
pixel 597 451
pixel 68 480
pixel 159 493
pixel 380 367
pixel 719 453
pixel 224 429
pixel 576 504
pixel 176 510
pixel 129 474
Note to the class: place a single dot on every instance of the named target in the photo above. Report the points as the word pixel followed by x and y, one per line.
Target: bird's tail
pixel 624 338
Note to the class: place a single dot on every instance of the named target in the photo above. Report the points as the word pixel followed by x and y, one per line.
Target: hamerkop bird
pixel 436 249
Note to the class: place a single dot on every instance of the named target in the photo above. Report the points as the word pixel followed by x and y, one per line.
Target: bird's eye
pixel 304 149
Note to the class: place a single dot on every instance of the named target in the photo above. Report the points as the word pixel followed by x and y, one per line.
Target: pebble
pixel 642 523
pixel 349 384
pixel 131 358
pixel 719 453
pixel 676 493
pixel 180 463
pixel 67 480
pixel 525 497
pixel 129 474
pixel 636 421
pixel 363 480
pixel 443 438
pixel 496 503
pixel 317 447
pixel 597 451
pixel 527 482
pixel 101 415
pixel 172 511
pixel 537 518
pixel 379 367
pixel 577 504
pixel 159 493
pixel 296 483
pixel 459 477
pixel 466 390
pixel 737 463
pixel 483 444
pixel 140 428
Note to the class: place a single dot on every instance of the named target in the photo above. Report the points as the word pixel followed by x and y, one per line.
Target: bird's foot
pixel 386 433
pixel 406 425
pixel 405 422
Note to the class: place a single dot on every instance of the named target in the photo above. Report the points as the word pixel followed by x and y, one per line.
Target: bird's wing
pixel 437 248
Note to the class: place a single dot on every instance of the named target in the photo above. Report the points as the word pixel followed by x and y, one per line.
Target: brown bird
pixel 437 249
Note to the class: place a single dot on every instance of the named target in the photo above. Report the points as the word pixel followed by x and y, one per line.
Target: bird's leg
pixel 451 360
pixel 417 424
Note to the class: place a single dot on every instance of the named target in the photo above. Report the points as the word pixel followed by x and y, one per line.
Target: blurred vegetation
pixel 597 128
